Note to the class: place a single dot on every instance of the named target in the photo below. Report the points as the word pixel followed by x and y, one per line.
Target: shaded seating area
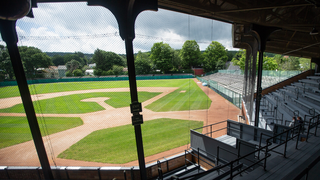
pixel 298 99
pixel 244 150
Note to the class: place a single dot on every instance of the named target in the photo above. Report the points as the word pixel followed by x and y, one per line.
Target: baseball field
pixel 91 121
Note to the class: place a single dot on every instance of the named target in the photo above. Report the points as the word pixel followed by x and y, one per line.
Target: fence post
pixel 285 147
pixel 298 136
pixel 231 169
pixel 185 159
pixel 198 161
pixel 265 156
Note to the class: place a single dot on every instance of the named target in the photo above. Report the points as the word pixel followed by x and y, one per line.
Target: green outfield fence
pixel 101 78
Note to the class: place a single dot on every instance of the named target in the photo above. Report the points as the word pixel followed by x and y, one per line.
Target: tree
pixel 58 60
pixel 215 57
pixel 117 70
pixel 161 55
pixel 239 59
pixel 105 60
pixel 5 63
pixel 33 58
pixel 176 60
pixel 78 56
pixel 77 72
pixel 72 65
pixel 269 63
pixel 190 54
pixel 290 63
pixel 305 64
pixel 142 63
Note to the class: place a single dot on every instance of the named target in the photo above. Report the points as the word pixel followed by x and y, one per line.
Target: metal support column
pixel 9 35
pixel 126 12
pixel 261 33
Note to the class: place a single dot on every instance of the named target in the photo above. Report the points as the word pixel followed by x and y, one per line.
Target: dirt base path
pixel 24 154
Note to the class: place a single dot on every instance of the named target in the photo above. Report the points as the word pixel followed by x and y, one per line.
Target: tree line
pixel 275 62
pixel 160 59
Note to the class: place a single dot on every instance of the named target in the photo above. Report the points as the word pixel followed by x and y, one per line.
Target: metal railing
pixel 290 134
pixel 210 126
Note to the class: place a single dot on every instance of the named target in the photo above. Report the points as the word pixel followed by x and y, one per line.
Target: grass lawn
pixel 188 97
pixel 117 145
pixel 12 91
pixel 72 104
pixel 15 130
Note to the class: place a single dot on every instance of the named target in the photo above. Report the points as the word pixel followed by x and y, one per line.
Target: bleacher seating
pixel 298 99
pixel 234 82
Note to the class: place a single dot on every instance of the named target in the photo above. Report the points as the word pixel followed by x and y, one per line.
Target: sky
pixel 70 27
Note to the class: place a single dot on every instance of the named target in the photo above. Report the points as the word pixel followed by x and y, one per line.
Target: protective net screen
pixel 76 67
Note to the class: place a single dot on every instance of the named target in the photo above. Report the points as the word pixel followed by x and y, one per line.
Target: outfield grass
pixel 188 97
pixel 72 104
pixel 15 130
pixel 12 91
pixel 117 145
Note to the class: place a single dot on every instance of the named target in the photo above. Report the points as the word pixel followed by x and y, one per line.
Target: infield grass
pixel 117 145
pixel 188 96
pixel 15 130
pixel 72 104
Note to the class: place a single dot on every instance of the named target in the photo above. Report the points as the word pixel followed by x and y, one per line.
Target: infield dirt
pixel 24 154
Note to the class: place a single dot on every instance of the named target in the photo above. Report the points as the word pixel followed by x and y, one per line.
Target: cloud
pixel 69 27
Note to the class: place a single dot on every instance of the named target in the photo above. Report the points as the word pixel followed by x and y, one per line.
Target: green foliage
pixel 290 63
pixel 305 64
pixel 72 65
pixel 77 72
pixel 142 63
pixel 269 63
pixel 105 60
pixel 231 54
pixel 58 60
pixel 33 58
pixel 215 57
pixel 107 73
pixel 15 130
pixel 117 144
pixel 117 70
pixel 5 63
pixel 177 61
pixel 69 74
pixel 161 55
pixel 239 59
pixel 190 54
pixel 78 56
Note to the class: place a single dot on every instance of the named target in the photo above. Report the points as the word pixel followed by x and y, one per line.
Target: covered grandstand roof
pixel 296 18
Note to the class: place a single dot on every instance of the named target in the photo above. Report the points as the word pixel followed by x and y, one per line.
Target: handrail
pixel 306 170
pixel 313 125
pixel 210 125
pixel 215 131
pixel 266 148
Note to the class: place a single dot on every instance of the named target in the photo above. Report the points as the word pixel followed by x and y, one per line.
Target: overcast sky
pixel 69 27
